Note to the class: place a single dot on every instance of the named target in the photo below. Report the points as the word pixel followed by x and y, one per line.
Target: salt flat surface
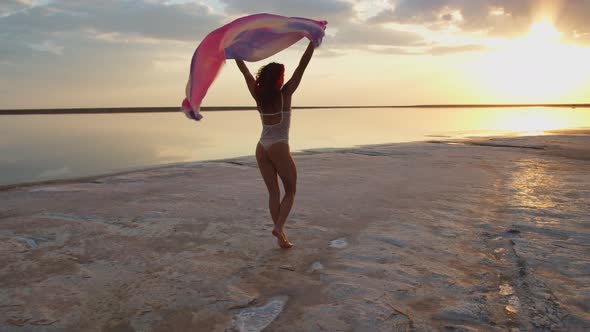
pixel 489 234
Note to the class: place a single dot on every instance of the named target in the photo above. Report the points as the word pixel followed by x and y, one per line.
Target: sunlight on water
pixel 531 184
pixel 42 147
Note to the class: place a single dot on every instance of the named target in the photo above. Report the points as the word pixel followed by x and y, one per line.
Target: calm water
pixel 44 147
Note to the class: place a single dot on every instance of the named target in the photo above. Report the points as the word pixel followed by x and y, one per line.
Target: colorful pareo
pixel 250 38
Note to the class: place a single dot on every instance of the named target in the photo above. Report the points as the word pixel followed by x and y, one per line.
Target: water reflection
pixel 532 184
pixel 40 147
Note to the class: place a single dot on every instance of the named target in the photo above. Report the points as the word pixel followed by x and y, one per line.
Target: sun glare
pixel 536 68
pixel 543 32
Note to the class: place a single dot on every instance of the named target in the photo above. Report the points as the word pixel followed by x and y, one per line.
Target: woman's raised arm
pixel 250 81
pixel 293 83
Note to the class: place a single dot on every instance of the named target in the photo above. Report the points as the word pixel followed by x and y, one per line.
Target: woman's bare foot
pixel 282 239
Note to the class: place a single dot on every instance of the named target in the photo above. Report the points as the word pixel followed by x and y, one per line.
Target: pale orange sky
pixel 57 54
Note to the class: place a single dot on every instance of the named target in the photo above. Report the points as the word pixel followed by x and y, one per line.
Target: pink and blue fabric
pixel 249 38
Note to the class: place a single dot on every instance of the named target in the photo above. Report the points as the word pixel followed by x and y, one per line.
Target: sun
pixel 543 32
pixel 538 67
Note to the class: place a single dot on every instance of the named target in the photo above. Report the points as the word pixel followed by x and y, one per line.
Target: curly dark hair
pixel 269 79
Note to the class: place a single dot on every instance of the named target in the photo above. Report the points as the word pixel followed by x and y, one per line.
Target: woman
pixel 273 100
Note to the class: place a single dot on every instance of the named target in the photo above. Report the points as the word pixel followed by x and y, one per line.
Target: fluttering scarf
pixel 249 38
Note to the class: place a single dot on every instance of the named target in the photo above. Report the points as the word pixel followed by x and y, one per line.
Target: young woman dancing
pixel 273 100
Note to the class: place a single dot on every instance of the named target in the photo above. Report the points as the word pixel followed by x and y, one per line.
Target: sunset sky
pixel 56 54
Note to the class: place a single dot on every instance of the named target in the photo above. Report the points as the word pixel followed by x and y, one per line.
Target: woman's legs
pixel 277 160
pixel 269 174
pixel 280 156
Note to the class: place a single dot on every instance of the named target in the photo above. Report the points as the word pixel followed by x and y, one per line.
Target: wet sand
pixel 479 235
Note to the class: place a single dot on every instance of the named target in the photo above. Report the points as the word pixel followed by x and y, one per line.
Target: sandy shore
pixel 491 235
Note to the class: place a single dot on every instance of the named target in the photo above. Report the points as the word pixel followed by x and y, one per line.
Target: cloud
pixel 104 48
pixel 347 29
pixel 357 34
pixel 47 46
pixel 56 26
pixel 574 17
pixel 334 11
pixel 183 21
pixel 444 50
pixel 500 18
pixel 8 7
pixel 95 40
pixel 497 17
pixel 429 11
pixel 394 50
pixel 11 7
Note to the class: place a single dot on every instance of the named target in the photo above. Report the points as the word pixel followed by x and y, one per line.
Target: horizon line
pixel 167 109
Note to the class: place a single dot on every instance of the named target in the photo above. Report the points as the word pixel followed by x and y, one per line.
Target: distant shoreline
pixel 113 110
